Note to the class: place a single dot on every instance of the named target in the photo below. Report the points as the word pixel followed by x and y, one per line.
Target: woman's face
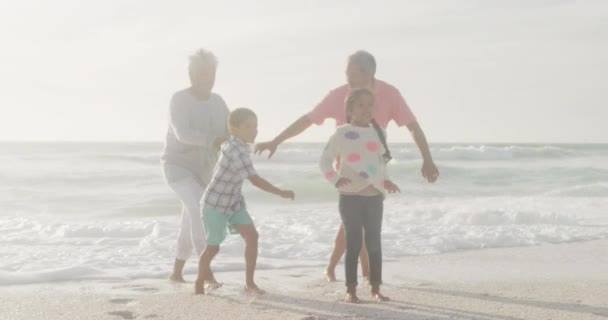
pixel 203 78
pixel 362 111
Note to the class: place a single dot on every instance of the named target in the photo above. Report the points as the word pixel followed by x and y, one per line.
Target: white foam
pixel 44 249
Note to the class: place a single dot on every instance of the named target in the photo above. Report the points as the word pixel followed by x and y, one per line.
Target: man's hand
pixel 391 187
pixel 429 171
pixel 342 182
pixel 271 146
pixel 287 194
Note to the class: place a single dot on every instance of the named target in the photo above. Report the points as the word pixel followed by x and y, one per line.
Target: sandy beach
pixel 568 281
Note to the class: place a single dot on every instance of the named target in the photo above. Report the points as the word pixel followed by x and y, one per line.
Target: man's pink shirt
pixel 389 105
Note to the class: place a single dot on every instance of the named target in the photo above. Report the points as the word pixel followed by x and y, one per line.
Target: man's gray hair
pixel 364 60
pixel 202 58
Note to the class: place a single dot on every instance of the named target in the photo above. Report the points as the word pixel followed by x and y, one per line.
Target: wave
pixel 105 248
pixel 581 190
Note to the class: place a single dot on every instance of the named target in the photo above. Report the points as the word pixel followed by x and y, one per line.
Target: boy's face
pixel 247 131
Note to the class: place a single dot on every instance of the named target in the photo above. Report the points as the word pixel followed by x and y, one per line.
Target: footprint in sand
pixel 136 287
pixel 121 301
pixel 144 289
pixel 124 314
pixel 425 284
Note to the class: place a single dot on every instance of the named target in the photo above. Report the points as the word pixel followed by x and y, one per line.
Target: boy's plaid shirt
pixel 234 166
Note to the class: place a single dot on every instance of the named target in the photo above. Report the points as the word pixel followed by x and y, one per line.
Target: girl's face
pixel 362 111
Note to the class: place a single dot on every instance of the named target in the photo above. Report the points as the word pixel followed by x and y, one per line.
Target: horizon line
pixel 289 142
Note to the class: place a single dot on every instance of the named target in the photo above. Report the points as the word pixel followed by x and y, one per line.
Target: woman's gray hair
pixel 200 59
pixel 364 60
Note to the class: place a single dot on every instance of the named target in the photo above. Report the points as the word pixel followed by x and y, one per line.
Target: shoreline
pixel 562 281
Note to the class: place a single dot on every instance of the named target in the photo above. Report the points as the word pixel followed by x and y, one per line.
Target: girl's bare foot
pixel 351 297
pixel 177 278
pixel 199 287
pixel 253 289
pixel 330 276
pixel 377 296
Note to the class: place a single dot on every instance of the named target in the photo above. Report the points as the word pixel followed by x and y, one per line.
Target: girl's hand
pixel 287 194
pixel 391 187
pixel 342 182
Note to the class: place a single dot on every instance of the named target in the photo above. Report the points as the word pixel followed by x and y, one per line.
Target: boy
pixel 224 205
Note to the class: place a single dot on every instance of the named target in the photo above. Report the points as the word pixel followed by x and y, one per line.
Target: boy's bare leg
pixel 178 268
pixel 250 235
pixel 204 268
pixel 338 252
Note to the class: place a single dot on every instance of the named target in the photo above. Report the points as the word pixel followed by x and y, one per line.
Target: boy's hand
pixel 287 194
pixel 342 182
pixel 391 187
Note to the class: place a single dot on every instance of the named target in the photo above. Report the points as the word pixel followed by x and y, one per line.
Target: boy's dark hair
pixel 238 116
pixel 350 104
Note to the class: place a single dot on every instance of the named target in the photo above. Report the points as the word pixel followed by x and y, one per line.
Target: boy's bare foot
pixel 330 276
pixel 199 288
pixel 253 289
pixel 177 278
pixel 351 297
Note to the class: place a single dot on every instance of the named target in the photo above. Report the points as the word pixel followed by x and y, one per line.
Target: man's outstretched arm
pixel 293 130
pixel 429 170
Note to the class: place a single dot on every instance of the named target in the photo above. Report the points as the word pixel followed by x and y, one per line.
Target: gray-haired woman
pixel 197 128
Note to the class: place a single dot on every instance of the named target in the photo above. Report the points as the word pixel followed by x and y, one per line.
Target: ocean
pixel 90 211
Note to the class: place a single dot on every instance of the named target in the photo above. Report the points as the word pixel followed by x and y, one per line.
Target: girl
pixel 360 146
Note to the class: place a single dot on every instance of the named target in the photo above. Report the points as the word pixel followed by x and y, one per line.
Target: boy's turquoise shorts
pixel 216 223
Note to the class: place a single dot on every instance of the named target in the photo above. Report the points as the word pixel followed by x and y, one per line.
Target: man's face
pixel 356 77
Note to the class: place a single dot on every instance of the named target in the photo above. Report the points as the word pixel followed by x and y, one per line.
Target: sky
pixel 471 70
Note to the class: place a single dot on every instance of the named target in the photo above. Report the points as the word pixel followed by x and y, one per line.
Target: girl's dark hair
pixel 350 104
